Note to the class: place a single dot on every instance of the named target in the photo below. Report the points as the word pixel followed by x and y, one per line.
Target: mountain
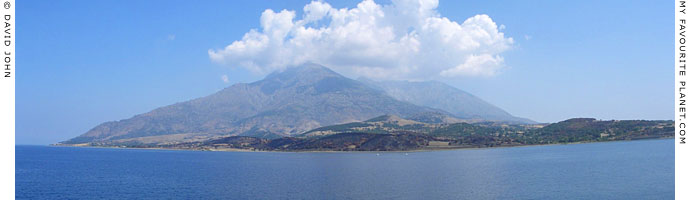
pixel 438 95
pixel 285 103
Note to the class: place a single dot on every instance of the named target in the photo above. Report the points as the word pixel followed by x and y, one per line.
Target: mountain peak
pixel 307 71
pixel 310 78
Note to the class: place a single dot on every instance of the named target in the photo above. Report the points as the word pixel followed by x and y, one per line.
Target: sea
pixel 642 169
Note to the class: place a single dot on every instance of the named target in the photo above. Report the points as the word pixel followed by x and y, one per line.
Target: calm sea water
pixel 612 170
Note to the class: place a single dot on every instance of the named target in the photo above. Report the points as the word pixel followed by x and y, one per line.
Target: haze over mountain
pixel 285 103
pixel 439 95
pixel 291 102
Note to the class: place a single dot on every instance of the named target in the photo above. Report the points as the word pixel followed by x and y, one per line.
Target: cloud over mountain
pixel 407 39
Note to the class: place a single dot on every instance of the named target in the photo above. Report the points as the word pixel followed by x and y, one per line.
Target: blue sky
pixel 81 63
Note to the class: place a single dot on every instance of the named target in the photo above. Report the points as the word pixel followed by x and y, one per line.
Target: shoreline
pixel 333 151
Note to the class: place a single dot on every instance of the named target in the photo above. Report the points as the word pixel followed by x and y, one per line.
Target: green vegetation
pixel 341 127
pixel 588 129
pixel 391 135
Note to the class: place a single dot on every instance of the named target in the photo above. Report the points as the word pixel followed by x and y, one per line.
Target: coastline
pixel 333 151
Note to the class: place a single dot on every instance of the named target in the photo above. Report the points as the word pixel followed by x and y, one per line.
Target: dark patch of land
pixel 406 135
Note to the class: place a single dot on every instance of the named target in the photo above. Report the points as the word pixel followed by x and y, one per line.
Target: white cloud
pixel 407 39
pixel 476 65
pixel 225 78
pixel 171 37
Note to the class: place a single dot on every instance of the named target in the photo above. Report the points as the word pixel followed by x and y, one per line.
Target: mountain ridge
pixel 435 94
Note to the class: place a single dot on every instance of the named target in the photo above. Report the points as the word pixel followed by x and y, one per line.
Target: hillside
pixel 444 136
pixel 381 125
pixel 441 96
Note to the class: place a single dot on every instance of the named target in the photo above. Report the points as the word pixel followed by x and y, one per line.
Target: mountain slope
pixel 441 96
pixel 284 103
